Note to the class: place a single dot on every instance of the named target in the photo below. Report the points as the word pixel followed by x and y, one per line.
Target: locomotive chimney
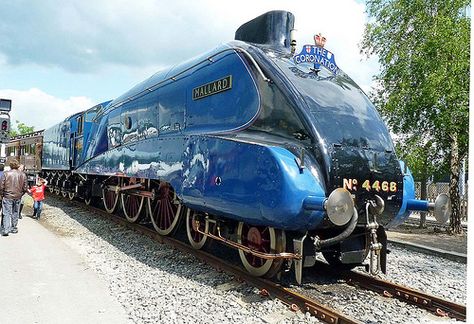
pixel 271 28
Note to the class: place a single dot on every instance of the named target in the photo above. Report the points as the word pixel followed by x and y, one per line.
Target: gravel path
pixel 155 283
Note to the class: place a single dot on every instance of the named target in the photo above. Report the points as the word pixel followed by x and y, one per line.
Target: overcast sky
pixel 60 57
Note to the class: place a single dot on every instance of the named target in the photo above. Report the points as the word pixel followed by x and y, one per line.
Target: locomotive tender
pixel 278 155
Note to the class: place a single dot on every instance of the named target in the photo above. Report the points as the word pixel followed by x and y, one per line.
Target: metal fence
pixel 434 189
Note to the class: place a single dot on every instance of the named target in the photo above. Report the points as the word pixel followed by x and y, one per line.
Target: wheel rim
pixel 132 206
pixel 164 210
pixel 71 195
pixel 57 191
pixel 88 201
pixel 262 239
pixel 64 193
pixel 110 199
pixel 196 239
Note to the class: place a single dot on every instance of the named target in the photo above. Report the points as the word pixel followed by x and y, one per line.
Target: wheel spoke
pixel 169 212
pixel 163 210
pixel 264 240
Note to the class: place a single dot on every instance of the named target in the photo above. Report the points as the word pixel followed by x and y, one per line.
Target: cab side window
pixel 80 124
pixel 114 128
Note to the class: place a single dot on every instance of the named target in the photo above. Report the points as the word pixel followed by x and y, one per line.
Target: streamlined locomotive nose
pixel 369 175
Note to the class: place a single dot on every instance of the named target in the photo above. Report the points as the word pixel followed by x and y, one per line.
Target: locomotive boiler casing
pixel 246 141
pixel 193 145
pixel 245 133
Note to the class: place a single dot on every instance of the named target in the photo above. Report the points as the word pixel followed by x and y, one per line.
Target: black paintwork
pixel 365 164
pixel 271 28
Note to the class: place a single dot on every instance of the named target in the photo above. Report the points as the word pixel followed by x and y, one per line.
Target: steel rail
pixel 294 300
pixel 430 303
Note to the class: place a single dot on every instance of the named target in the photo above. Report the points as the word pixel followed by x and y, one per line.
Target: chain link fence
pixel 434 189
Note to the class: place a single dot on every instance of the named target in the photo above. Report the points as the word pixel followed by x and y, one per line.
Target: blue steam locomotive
pixel 277 154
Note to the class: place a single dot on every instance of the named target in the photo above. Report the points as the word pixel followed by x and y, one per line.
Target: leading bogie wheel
pixel 196 239
pixel 88 201
pixel 165 210
pixel 262 239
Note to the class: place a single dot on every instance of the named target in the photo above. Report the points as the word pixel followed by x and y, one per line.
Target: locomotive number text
pixel 377 185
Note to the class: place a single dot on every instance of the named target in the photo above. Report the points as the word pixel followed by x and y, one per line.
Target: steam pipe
pixel 319 244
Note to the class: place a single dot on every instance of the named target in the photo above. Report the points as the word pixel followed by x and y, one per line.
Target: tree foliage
pixel 423 87
pixel 21 129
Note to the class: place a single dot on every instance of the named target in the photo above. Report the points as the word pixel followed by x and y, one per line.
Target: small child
pixel 38 196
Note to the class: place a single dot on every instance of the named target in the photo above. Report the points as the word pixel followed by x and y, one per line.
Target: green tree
pixel 21 129
pixel 423 87
pixel 422 156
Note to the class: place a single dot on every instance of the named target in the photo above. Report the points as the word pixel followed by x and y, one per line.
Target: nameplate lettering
pixel 212 88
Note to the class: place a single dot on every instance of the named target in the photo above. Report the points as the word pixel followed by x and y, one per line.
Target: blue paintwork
pixel 419 205
pixel 262 186
pixel 60 140
pixel 88 132
pixel 157 131
pixel 408 194
pixel 314 203
pixel 56 146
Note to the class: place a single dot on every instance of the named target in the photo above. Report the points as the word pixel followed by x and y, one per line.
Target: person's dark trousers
pixel 19 211
pixel 1 221
pixel 37 206
pixel 10 215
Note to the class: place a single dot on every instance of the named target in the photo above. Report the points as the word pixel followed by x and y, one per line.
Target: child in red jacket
pixel 38 196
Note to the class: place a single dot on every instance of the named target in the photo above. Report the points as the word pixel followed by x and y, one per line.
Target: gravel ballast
pixel 156 283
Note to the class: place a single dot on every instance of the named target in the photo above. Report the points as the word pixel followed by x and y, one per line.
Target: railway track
pixel 297 301
pixel 430 303
pixel 411 221
pixel 294 300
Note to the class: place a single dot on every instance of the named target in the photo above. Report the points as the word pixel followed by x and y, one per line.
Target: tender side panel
pixel 56 147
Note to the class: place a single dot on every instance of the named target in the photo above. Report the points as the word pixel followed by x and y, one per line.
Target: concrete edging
pixel 450 255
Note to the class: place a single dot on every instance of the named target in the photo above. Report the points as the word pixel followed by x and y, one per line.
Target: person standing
pixel 22 201
pixel 13 185
pixel 38 196
pixel 2 169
